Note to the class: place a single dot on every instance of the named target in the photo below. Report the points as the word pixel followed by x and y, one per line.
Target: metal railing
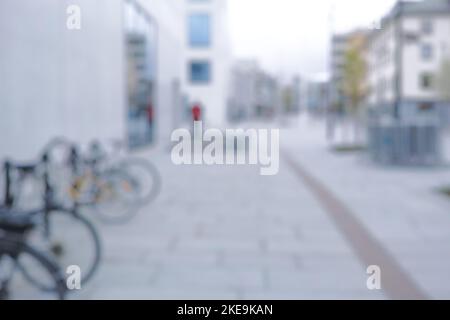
pixel 405 144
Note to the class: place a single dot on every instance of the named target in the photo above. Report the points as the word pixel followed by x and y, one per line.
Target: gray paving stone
pixel 217 234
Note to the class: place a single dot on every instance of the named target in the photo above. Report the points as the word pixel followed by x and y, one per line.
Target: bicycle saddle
pixel 16 222
pixel 26 168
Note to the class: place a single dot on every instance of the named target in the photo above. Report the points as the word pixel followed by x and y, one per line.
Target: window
pixel 200 72
pixel 426 51
pixel 411 38
pixel 199 30
pixel 427 26
pixel 140 35
pixel 425 106
pixel 426 80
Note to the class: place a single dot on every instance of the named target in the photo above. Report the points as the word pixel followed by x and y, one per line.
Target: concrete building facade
pixel 207 59
pixel 254 93
pixel 78 83
pixel 243 100
pixel 405 57
pixel 317 97
pixel 51 83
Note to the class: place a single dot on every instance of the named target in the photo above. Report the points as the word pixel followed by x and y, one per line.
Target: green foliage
pixel 443 80
pixel 354 77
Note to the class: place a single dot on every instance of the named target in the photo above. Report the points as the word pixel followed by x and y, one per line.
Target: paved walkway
pixel 400 207
pixel 227 232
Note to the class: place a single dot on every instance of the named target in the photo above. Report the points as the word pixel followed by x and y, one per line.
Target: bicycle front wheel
pixel 144 178
pixel 71 240
pixel 15 257
pixel 115 200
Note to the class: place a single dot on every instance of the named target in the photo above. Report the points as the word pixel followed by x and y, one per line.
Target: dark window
pixel 426 80
pixel 411 38
pixel 200 72
pixel 426 106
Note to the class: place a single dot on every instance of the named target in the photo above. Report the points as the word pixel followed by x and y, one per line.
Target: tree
pixel 354 84
pixel 287 97
pixel 443 80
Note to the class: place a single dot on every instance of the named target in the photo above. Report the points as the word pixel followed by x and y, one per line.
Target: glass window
pixel 199 30
pixel 426 51
pixel 140 43
pixel 200 72
pixel 426 106
pixel 426 80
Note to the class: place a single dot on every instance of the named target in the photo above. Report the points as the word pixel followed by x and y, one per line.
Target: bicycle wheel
pixel 115 200
pixel 17 256
pixel 2 185
pixel 82 190
pixel 72 241
pixel 145 179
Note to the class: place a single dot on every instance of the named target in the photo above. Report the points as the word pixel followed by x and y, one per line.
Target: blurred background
pixel 359 89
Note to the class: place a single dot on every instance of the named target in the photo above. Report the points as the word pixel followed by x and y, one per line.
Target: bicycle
pixel 62 230
pixel 112 185
pixel 15 253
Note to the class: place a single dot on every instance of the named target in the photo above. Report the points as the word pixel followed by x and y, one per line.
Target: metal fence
pixel 405 144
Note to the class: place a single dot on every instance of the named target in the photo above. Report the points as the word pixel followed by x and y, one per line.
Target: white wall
pixel 58 82
pixel 214 95
pixel 382 69
pixel 414 65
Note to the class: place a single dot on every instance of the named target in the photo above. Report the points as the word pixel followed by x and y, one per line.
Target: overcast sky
pixel 292 36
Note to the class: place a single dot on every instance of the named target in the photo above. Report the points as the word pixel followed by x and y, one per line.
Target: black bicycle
pixel 63 232
pixel 16 256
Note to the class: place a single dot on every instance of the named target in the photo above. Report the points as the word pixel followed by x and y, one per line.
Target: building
pixel 61 81
pixel 243 99
pixel 317 96
pixel 254 94
pixel 405 56
pixel 170 44
pixel 267 96
pixel 339 45
pixel 290 96
pixel 206 74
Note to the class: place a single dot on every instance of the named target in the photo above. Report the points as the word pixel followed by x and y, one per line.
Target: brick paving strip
pixel 394 281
